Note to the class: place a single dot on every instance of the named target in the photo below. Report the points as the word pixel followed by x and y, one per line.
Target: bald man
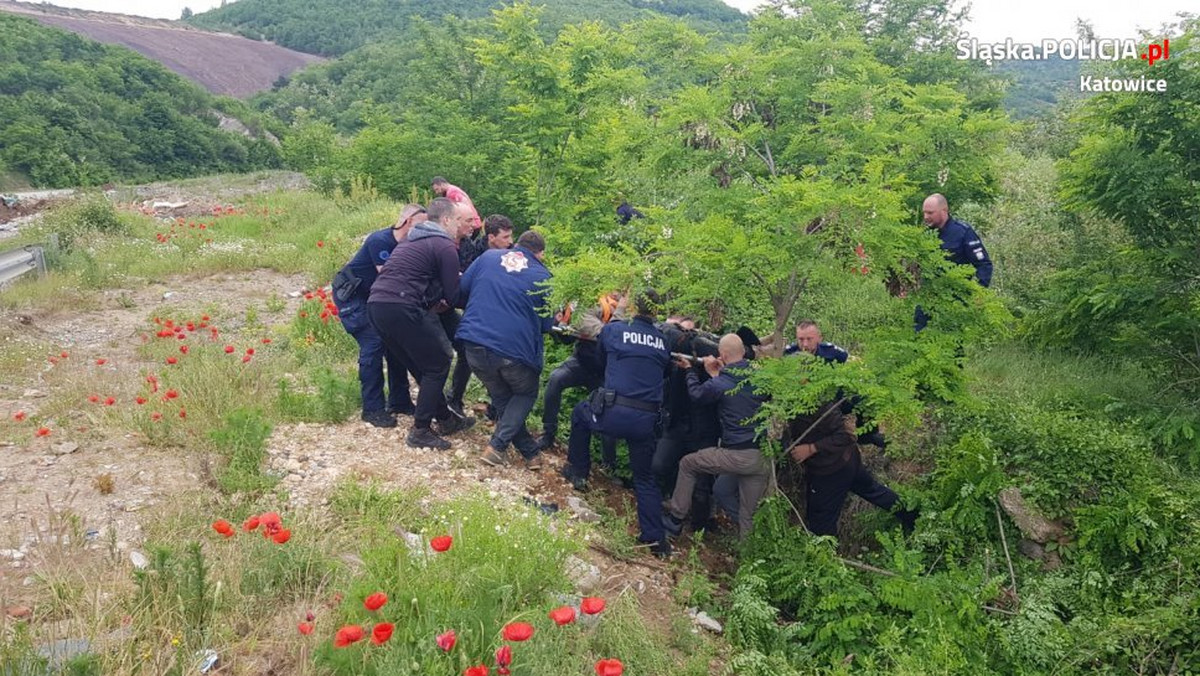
pixel 739 453
pixel 959 240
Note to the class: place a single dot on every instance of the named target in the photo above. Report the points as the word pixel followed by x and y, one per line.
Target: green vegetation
pixel 75 112
pixel 332 28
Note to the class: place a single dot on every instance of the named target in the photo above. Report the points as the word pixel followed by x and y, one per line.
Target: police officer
pixel 628 406
pixel 808 339
pixel 351 287
pixel 960 242
pixel 739 454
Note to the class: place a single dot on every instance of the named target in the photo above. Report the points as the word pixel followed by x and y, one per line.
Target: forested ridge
pixel 332 28
pixel 1047 428
pixel 75 112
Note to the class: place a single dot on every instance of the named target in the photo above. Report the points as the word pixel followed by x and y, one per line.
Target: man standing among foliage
pixel 351 288
pixel 960 242
pixel 415 286
pixel 443 188
pixel 501 332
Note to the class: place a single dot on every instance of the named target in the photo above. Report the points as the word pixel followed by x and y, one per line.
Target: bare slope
pixel 224 64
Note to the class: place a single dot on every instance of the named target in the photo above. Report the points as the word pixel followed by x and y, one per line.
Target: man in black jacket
pixel 417 283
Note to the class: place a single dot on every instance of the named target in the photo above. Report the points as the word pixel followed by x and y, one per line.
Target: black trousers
pixel 827 494
pixel 461 374
pixel 417 335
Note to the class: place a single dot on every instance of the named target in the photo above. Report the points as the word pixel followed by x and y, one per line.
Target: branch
pixel 1004 541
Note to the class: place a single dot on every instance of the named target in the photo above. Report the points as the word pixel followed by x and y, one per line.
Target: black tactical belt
pixel 637 404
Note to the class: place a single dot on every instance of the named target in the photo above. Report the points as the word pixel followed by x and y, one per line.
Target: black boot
pixel 379 418
pixel 423 437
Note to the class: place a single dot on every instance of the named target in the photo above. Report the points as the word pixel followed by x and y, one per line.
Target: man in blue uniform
pixel 351 287
pixel 808 339
pixel 635 358
pixel 501 332
pixel 960 242
pixel 739 454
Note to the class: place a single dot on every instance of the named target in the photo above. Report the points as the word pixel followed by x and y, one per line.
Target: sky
pixel 991 20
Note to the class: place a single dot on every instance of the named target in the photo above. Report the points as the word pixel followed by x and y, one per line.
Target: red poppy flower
pixel 381 632
pixel 54 360
pixel 19 416
pixel 446 641
pixel 63 354
pixel 182 413
pixel 270 519
pixel 504 656
pixel 156 416
pixel 172 360
pixel 325 315
pixel 309 296
pixel 592 605
pixel 246 359
pixel 320 244
pixel 864 270
pixel 190 326
pixel 563 616
pixel 610 667
pixel 480 670
pixel 282 536
pixel 43 432
pixel 305 628
pixel 266 341
pixel 250 351
pixel 101 362
pixel 351 633
pixel 140 400
pixel 228 349
pixel 441 543
pixel 109 401
pixel 332 309
pixel 375 601
pixel 94 398
pixel 222 526
pixel 182 336
pixel 250 525
pixel 171 394
pixel 183 349
pixel 859 251
pixel 517 631
pixel 203 318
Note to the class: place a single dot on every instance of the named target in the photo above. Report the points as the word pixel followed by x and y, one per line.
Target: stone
pixel 64 448
pixel 705 621
pixel 34 394
pixel 585 576
pixel 1031 550
pixel 139 560
pixel 1033 526
pixel 64 650
pixel 581 510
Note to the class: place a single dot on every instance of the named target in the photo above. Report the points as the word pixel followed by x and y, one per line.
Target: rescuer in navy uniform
pixel 960 242
pixel 636 359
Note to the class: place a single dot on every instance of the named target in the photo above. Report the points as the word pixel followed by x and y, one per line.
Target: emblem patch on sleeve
pixel 514 261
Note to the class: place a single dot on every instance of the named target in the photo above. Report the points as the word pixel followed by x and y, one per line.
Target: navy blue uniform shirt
pixel 736 402
pixel 635 358
pixel 505 298
pixel 827 351
pixel 376 249
pixel 964 247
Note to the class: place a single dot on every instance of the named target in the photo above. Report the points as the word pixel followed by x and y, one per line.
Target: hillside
pixel 331 28
pixel 77 112
pixel 226 65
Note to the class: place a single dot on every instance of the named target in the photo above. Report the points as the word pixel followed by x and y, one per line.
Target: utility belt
pixel 603 399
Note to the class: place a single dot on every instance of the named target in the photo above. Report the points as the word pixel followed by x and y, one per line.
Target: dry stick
pixel 1004 541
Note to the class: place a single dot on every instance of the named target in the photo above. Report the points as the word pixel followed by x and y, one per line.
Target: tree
pixel 186 14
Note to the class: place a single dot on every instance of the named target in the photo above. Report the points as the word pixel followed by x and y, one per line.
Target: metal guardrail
pixel 17 262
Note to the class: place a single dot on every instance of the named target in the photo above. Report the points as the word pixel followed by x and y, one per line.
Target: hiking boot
pixel 379 418
pixel 456 407
pixel 662 548
pixel 455 424
pixel 535 463
pixel 493 458
pixel 548 443
pixel 491 412
pixel 577 482
pixel 671 524
pixel 423 437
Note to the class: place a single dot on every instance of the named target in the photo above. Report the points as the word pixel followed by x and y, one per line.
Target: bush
pixel 88 216
pixel 242 438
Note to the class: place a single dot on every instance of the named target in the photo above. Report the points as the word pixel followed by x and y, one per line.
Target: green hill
pixel 76 112
pixel 331 28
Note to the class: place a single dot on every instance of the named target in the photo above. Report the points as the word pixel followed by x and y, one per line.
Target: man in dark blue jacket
pixel 635 358
pixel 351 288
pixel 960 242
pixel 501 332
pixel 739 454
pixel 417 283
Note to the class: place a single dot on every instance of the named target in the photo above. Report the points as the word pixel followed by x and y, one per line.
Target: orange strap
pixel 607 307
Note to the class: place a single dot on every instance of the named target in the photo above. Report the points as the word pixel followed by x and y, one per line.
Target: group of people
pixel 679 398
